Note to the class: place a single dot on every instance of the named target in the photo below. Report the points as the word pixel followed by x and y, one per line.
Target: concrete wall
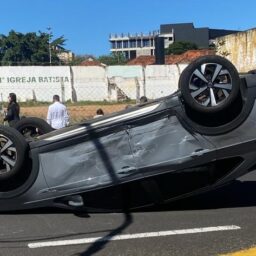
pixel 161 80
pixel 128 79
pixel 38 83
pixel 241 48
pixel 91 83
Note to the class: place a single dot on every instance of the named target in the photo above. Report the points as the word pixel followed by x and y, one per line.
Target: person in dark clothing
pixel 99 113
pixel 143 99
pixel 13 110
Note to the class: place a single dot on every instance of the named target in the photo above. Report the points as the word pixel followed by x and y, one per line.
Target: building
pixel 66 56
pixel 135 45
pixel 202 37
pixel 144 44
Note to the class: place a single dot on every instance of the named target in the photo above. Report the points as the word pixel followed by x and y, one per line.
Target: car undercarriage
pixel 199 138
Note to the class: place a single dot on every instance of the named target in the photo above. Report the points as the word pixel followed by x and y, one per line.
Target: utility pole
pixel 49 41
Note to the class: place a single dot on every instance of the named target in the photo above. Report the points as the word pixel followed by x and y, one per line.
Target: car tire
pixel 31 127
pixel 13 122
pixel 209 84
pixel 14 148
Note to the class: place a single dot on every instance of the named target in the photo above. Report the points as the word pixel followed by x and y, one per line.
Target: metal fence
pixel 85 89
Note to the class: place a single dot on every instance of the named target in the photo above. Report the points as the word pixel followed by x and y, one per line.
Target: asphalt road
pixel 234 205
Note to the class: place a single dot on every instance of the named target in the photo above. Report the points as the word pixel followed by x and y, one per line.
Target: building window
pixel 133 43
pixel 170 38
pixel 125 44
pixel 146 43
pixel 126 54
pixel 118 44
pixel 132 54
pixel 139 43
pixel 113 45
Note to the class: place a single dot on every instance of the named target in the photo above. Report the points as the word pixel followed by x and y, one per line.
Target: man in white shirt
pixel 57 115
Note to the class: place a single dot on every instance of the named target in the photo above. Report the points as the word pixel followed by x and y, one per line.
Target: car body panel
pixel 93 162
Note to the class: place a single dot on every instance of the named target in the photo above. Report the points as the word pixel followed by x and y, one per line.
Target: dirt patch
pixel 76 113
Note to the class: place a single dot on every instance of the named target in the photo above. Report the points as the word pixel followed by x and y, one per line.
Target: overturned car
pixel 199 138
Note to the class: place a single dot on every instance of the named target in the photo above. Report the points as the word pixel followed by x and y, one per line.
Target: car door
pixel 164 144
pixel 90 163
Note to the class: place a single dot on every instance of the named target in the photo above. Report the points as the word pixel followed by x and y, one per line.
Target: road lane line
pixel 248 252
pixel 131 236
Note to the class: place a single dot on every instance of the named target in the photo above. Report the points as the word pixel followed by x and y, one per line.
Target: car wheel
pixel 209 84
pixel 31 127
pixel 13 148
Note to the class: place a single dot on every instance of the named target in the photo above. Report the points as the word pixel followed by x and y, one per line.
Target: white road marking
pixel 131 236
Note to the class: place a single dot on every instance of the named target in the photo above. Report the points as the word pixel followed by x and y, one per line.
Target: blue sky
pixel 86 24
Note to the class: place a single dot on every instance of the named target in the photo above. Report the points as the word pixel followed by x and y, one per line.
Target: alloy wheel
pixel 210 84
pixel 8 155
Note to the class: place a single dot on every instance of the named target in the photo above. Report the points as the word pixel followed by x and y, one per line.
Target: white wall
pixel 88 83
pixel 130 79
pixel 35 82
pixel 161 80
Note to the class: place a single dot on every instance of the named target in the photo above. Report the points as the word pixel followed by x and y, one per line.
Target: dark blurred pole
pixel 49 44
pixel 159 50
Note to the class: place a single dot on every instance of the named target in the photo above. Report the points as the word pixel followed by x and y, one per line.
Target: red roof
pixel 91 62
pixel 186 57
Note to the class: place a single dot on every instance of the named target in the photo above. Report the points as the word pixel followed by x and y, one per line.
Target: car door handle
pixel 126 170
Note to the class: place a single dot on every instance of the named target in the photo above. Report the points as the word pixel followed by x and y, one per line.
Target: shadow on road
pixel 237 194
pixel 101 243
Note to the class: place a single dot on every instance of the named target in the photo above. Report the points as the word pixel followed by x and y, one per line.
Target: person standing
pixel 13 110
pixel 57 115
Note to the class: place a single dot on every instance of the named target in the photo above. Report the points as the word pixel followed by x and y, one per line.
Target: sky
pixel 87 24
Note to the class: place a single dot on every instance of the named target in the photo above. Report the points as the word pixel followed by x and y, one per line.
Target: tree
pixel 180 47
pixel 113 59
pixel 220 47
pixel 30 49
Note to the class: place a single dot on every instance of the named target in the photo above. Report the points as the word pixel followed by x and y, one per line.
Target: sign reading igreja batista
pixel 34 79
